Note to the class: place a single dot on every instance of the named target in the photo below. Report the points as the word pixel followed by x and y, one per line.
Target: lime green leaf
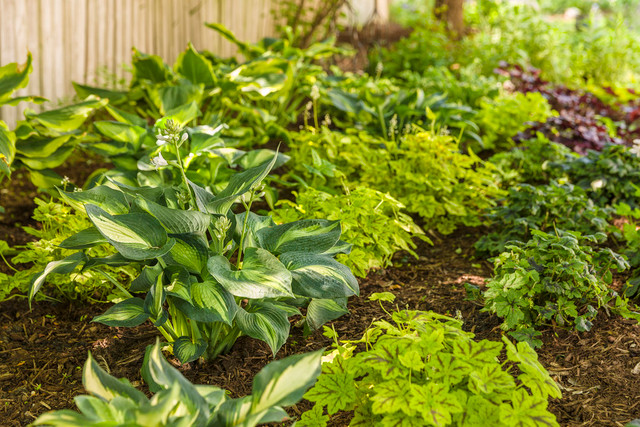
pixel 13 77
pixel 86 238
pixel 69 118
pixel 113 96
pixel 335 387
pixel 112 201
pixel 195 67
pixel 526 411
pixel 97 382
pixel 63 266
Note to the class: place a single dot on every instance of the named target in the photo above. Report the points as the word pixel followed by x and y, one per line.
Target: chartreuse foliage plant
pixel 375 222
pixel 527 208
pixel 58 221
pixel 631 236
pixel 177 402
pixel 555 278
pixel 422 369
pixel 209 274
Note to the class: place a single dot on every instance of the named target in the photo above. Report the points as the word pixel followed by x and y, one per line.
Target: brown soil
pixel 42 351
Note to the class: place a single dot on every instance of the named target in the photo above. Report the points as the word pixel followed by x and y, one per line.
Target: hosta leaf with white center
pixel 314 236
pixel 176 221
pixel 187 351
pixel 110 200
pixel 319 276
pixel 63 266
pixel 137 236
pixel 261 276
pixel 69 118
pixel 97 382
pixel 266 322
pixel 127 313
pixel 239 184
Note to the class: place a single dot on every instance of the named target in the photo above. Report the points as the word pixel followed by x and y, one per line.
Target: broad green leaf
pixel 346 102
pixel 308 235
pixel 210 302
pixel 321 311
pixel 185 113
pixel 122 132
pixel 115 260
pixel 41 147
pixel 195 67
pixel 176 221
pixel 149 67
pixel 62 418
pixel 69 118
pixel 239 184
pixel 203 197
pixel 110 200
pixel 284 382
pixel 319 276
pixel 265 322
pixel 87 238
pixel 167 98
pixel 63 266
pixel 187 351
pixel 255 158
pixel 52 161
pixel 114 97
pixel 45 178
pixel 245 48
pixel 189 251
pixel 7 149
pixel 137 236
pixel 125 117
pixel 14 76
pixel 261 276
pixel 127 313
pixel 148 276
pixel 255 222
pixel 435 402
pixel 97 382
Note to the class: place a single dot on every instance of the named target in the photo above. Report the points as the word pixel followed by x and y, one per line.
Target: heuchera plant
pixel 422 369
pixel 210 275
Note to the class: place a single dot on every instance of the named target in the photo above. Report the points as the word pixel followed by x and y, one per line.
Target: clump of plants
pixel 554 279
pixel 423 369
pixel 209 274
pixel 374 221
pixel 527 208
pixel 631 236
pixel 176 401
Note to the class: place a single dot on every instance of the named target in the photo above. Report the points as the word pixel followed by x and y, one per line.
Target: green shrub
pixel 177 402
pixel 423 369
pixel 631 236
pixel 553 279
pixel 527 208
pixel 375 222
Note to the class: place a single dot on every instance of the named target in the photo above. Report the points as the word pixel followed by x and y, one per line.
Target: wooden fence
pixel 78 40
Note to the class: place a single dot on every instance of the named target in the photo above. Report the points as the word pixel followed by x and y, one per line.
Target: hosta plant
pixel 528 208
pixel 177 402
pixel 373 221
pixel 554 279
pixel 631 236
pixel 209 274
pixel 422 369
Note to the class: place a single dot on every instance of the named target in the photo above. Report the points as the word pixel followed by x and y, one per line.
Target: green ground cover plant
pixel 421 368
pixel 557 279
pixel 177 402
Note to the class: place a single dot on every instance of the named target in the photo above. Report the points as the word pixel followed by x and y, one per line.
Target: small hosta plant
pixel 553 279
pixel 631 236
pixel 209 274
pixel 422 369
pixel 528 208
pixel 177 402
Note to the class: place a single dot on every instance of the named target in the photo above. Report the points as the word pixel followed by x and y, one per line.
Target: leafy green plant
pixel 531 162
pixel 527 208
pixel 176 401
pixel 374 221
pixel 423 369
pixel 209 274
pixel 503 117
pixel 553 279
pixel 58 221
pixel 631 236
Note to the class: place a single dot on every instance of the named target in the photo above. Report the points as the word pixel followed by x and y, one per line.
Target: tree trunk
pixel 451 11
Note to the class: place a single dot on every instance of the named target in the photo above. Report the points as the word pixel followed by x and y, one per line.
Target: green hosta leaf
pixel 62 418
pixel 254 223
pixel 321 311
pixel 127 313
pixel 195 67
pixel 124 117
pixel 239 184
pixel 95 408
pixel 526 411
pixel 319 276
pixel 69 118
pixel 41 147
pixel 45 178
pixel 114 97
pixel 335 387
pixel 137 236
pixel 168 98
pixel 111 200
pixel 149 67
pixel 87 238
pixel 210 302
pixel 14 76
pixel 284 382
pixel 187 351
pixel 63 266
pixel 147 278
pixel 176 221
pixel 97 382
pixel 265 322
pixel 183 114
pixel 122 132
pixel 261 276
pixel 159 374
pixel 7 149
pixel 189 251
pixel 203 197
pixel 308 235
pixel 52 161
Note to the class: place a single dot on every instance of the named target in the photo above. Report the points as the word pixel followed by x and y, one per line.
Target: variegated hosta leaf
pixel 110 200
pixel 189 251
pixel 83 239
pixel 176 221
pixel 261 276
pixel 319 276
pixel 265 322
pixel 308 235
pixel 321 311
pixel 239 184
pixel 127 313
pixel 137 236
pixel 187 351
pixel 97 382
pixel 68 118
pixel 63 266
pixel 208 302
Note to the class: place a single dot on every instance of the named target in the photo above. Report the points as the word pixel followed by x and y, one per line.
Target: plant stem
pixel 192 196
pixel 244 228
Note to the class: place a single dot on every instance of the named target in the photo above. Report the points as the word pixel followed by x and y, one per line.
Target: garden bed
pixel 42 350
